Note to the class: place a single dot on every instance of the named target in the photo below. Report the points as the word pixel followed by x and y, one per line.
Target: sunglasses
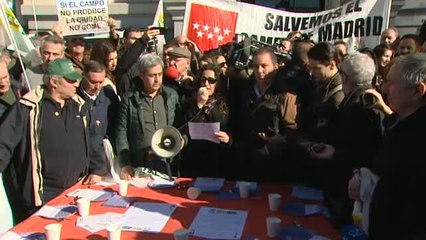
pixel 222 64
pixel 209 79
pixel 77 41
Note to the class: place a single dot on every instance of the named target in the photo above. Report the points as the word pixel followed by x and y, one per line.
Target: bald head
pixel 389 36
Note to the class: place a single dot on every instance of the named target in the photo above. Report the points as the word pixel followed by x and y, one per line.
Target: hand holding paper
pixel 204 131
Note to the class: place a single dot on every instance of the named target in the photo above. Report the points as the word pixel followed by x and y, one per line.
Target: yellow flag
pixel 23 43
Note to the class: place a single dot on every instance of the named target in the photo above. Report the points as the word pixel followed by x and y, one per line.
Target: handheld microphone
pixel 172 73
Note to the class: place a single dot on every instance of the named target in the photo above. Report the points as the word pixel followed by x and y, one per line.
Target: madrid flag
pixel 210 27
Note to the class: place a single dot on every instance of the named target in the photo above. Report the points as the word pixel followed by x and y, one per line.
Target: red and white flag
pixel 210 27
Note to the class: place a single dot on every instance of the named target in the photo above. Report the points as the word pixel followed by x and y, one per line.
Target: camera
pixel 152 45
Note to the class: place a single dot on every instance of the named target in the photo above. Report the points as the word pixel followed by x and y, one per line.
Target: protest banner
pixel 211 23
pixel 82 16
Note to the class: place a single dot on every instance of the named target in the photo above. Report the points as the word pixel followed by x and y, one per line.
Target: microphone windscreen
pixel 202 90
pixel 171 73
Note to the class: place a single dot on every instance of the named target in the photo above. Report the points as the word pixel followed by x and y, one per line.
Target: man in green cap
pixel 43 141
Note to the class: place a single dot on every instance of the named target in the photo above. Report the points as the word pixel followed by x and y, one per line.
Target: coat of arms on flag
pixel 210 27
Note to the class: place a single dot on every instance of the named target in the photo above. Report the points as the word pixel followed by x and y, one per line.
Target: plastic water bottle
pixel 357 213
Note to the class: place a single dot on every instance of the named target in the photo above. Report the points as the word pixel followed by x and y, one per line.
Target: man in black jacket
pixel 43 141
pixel 397 209
pixel 102 105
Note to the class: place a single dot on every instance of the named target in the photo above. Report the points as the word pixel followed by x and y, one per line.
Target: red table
pixel 256 205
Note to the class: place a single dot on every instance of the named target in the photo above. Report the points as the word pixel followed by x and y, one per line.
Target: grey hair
pixel 359 69
pixel 53 39
pixel 149 60
pixel 47 77
pixel 413 68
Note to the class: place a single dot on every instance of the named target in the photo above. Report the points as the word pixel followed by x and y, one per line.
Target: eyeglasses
pixel 222 64
pixel 77 41
pixel 209 79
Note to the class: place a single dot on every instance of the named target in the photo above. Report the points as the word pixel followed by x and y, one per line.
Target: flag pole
pixel 12 38
pixel 35 16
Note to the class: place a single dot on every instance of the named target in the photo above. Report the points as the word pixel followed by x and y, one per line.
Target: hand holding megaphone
pixel 202 96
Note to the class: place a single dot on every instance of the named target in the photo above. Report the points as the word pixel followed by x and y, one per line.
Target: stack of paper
pixel 209 184
pixel 56 212
pixel 307 193
pixel 94 223
pixel 218 223
pixel 92 195
pixel 147 217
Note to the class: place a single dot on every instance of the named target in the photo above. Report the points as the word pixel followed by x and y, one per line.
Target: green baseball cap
pixel 64 67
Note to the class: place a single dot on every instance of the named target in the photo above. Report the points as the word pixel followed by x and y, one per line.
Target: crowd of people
pixel 302 112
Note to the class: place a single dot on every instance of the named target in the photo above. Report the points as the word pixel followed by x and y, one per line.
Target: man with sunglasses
pixel 44 141
pixel 75 52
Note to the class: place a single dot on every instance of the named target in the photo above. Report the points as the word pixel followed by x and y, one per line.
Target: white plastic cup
pixel 181 234
pixel 83 205
pixel 53 231
pixel 114 232
pixel 122 187
pixel 274 200
pixel 193 193
pixel 244 188
pixel 273 226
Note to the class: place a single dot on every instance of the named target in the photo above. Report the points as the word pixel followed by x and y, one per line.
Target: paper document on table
pixel 92 195
pixel 95 223
pixel 10 235
pixel 307 193
pixel 147 217
pixel 207 184
pixel 57 212
pixel 218 223
pixel 204 131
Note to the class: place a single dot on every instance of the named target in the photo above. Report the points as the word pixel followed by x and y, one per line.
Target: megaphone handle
pixel 169 169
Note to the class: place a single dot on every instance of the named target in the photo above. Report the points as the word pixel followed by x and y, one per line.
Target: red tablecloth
pixel 256 205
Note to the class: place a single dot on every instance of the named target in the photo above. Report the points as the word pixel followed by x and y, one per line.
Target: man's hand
pixel 126 173
pixel 321 151
pixel 354 186
pixel 112 23
pixel 150 33
pixel 92 179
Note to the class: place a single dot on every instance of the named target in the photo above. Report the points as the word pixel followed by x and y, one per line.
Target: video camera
pixel 246 46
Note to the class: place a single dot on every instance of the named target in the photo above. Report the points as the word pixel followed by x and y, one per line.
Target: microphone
pixel 172 73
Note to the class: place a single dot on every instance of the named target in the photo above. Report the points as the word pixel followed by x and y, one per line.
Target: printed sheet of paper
pixel 207 184
pixel 204 131
pixel 56 212
pixel 216 223
pixel 147 217
pixel 93 195
pixel 307 193
pixel 95 223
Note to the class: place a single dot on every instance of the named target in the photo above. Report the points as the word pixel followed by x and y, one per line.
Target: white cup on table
pixel 244 188
pixel 274 200
pixel 273 226
pixel 181 234
pixel 114 232
pixel 53 231
pixel 83 205
pixel 122 187
pixel 193 193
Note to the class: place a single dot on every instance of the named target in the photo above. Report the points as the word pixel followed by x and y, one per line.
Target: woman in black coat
pixel 201 157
